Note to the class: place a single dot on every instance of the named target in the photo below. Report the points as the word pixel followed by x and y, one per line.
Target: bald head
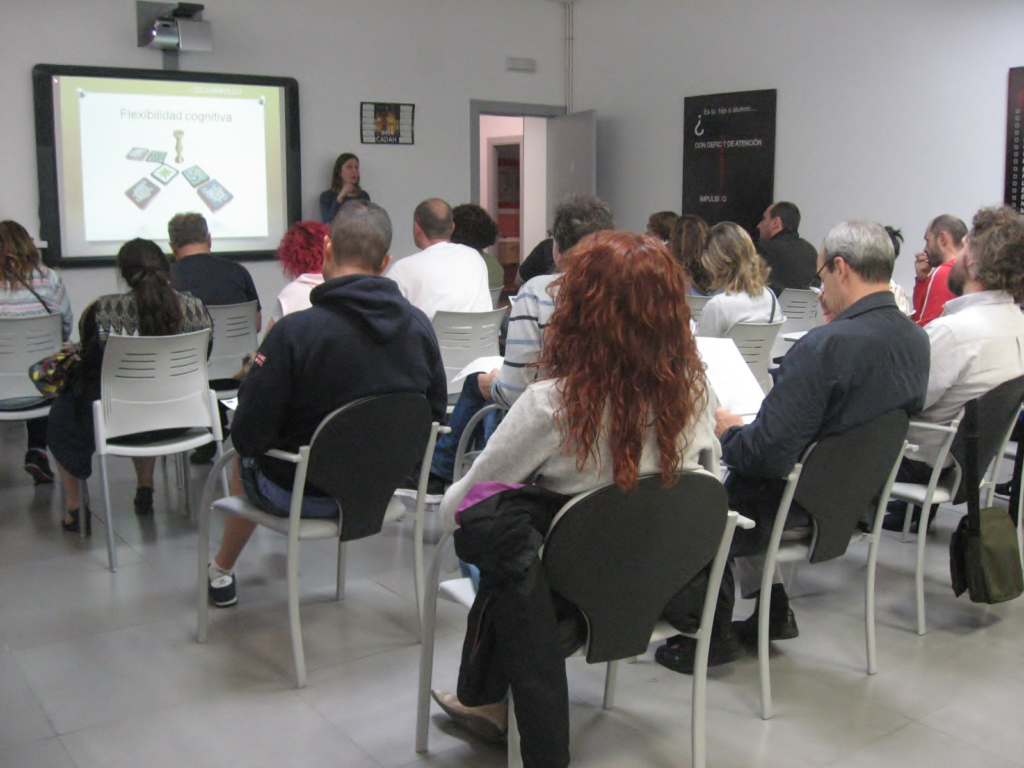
pixel 433 219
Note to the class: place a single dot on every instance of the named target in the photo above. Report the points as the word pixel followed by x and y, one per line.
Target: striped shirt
pixel 17 301
pixel 530 315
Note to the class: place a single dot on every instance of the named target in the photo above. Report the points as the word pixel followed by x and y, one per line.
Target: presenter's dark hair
pixel 144 267
pixel 302 248
pixel 788 214
pixel 689 236
pixel 620 347
pixel 19 257
pixel 473 227
pixel 361 235
pixel 578 216
pixel 336 182
pixel 997 245
pixel 951 225
pixel 434 217
pixel 187 228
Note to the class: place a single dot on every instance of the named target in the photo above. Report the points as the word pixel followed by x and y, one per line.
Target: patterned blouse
pixel 18 301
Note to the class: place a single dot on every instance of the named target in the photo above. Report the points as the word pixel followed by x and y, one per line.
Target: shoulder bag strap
pixel 970 423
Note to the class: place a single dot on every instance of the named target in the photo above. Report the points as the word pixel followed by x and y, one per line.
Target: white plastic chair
pixel 754 341
pixel 697 304
pixel 358 455
pixel 801 309
pixel 234 337
pixel 25 341
pixel 463 337
pixel 613 529
pixel 153 383
pixel 496 295
pixel 835 482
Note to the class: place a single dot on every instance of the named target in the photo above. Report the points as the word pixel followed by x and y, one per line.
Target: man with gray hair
pixel 869 360
pixel 977 343
pixel 443 276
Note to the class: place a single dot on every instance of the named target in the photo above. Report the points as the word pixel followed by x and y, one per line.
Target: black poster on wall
pixel 1013 194
pixel 729 156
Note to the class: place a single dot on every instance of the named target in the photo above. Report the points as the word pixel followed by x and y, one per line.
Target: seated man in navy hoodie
pixel 360 338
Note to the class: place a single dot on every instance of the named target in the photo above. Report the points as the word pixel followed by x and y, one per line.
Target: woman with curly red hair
pixel 622 392
pixel 301 254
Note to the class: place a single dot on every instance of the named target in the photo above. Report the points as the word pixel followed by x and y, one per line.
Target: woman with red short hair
pixel 301 254
pixel 622 393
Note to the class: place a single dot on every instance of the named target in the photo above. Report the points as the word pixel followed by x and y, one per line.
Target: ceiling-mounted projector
pixel 173 26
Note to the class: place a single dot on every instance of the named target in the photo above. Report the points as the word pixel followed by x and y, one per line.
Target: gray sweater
pixel 527 448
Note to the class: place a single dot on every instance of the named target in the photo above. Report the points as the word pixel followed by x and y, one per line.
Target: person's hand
pixel 921 265
pixel 484 382
pixel 724 418
pixel 826 313
pixel 348 190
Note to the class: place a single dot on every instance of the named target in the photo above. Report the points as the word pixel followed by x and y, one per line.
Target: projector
pixel 173 27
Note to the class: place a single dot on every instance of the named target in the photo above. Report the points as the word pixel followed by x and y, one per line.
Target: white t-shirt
pixel 444 277
pixel 295 296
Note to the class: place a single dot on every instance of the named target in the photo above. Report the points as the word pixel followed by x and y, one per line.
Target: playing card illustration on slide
pixel 142 192
pixel 195 176
pixel 138 153
pixel 214 195
pixel 164 174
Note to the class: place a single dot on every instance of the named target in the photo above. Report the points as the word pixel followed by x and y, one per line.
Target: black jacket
pixel 793 261
pixel 360 338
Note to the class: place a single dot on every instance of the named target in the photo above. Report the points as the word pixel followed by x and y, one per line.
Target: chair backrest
pixel 801 309
pixel 621 557
pixel 997 413
pixel 234 337
pixel 465 336
pixel 154 382
pixel 25 341
pixel 697 304
pixel 361 452
pixel 842 477
pixel 754 341
pixel 496 295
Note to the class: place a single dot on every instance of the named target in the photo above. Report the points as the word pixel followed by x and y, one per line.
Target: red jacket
pixel 931 294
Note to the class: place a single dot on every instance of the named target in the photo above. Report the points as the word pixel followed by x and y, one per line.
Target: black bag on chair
pixel 983 555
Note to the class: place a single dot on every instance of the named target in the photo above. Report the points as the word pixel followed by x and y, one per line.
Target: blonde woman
pixel 739 281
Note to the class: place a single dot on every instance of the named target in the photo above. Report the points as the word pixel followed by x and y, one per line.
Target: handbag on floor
pixel 52 374
pixel 983 556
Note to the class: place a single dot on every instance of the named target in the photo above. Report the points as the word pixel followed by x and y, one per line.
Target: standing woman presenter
pixel 344 187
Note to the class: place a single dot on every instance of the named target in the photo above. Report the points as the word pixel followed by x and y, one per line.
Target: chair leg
pixel 83 490
pixel 610 677
pixel 907 519
pixel 294 623
pixel 515 751
pixel 186 475
pixel 869 605
pixel 108 515
pixel 922 540
pixel 339 593
pixel 427 647
pixel 764 611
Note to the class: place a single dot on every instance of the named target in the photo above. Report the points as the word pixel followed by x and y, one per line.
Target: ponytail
pixel 145 269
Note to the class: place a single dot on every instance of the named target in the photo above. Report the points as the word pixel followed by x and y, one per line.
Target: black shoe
pixel 143 501
pixel 781 620
pixel 680 651
pixel 203 454
pixel 1004 489
pixel 73 526
pixel 894 517
pixel 222 590
pixel 436 486
pixel 38 465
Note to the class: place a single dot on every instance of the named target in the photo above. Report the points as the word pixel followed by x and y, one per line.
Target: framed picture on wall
pixel 387 123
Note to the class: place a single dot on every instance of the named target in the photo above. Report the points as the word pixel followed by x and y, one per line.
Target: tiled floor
pixel 101 669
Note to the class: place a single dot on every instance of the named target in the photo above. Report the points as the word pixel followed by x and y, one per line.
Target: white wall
pixel 437 55
pixel 893 110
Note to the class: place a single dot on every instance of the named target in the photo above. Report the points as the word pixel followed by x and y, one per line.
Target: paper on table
pixel 480 365
pixel 730 377
pixel 231 403
pixel 794 336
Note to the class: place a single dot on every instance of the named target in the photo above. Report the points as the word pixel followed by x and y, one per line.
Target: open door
pixel 571 157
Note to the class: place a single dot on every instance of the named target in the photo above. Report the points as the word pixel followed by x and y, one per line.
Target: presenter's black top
pixel 329 205
pixel 213 280
pixel 793 261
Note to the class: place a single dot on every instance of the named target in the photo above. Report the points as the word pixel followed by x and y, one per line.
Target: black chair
pixel 620 557
pixel 837 482
pixel 358 455
pixel 997 414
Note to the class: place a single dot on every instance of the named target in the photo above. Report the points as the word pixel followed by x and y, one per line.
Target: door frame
pixel 479 107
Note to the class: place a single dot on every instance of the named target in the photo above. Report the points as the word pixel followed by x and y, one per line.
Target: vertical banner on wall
pixel 729 156
pixel 1013 194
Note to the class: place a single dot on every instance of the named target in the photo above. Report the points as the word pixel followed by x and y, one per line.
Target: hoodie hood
pixel 375 302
